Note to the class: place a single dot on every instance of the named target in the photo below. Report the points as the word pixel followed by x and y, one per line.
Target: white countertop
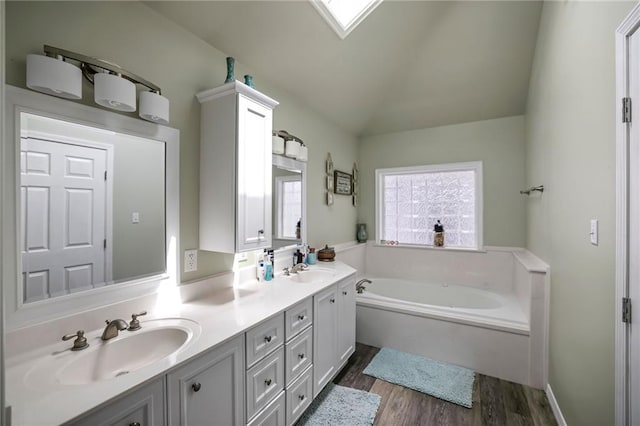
pixel 221 315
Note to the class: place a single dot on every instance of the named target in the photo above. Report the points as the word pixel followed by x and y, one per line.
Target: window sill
pixel 408 246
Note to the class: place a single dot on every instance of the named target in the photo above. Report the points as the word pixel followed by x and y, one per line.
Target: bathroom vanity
pixel 257 353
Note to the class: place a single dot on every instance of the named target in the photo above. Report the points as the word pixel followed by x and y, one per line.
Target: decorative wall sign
pixel 354 179
pixel 343 184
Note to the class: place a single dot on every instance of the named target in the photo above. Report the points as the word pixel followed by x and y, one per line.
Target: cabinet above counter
pixel 236 123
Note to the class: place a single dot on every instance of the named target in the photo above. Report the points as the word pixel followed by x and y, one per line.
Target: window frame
pixel 279 200
pixel 475 166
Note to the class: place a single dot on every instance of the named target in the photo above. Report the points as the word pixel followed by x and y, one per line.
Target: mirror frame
pixel 291 164
pixel 19 314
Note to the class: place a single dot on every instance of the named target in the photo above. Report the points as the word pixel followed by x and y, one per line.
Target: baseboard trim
pixel 555 407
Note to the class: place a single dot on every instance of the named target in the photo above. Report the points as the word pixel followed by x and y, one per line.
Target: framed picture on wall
pixel 342 183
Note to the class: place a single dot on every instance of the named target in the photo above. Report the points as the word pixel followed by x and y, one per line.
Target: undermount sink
pixel 312 275
pixel 124 354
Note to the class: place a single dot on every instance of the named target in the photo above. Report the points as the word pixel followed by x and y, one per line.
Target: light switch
pixel 594 232
pixel 135 217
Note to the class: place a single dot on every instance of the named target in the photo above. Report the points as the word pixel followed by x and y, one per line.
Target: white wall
pixel 144 42
pixel 498 143
pixel 570 148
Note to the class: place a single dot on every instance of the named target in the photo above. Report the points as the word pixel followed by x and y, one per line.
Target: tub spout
pixel 360 285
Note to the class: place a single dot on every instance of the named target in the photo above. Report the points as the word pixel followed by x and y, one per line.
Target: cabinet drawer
pixel 298 317
pixel 144 406
pixel 273 414
pixel 264 338
pixel 299 396
pixel 264 381
pixel 298 355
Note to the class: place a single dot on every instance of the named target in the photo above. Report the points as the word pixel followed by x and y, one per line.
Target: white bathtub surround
pixel 506 337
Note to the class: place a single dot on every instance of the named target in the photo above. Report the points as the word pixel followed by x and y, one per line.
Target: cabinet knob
pixel 301 356
pixel 260 231
pixel 196 387
pixel 301 317
pixel 134 424
pixel 268 338
pixel 345 292
pixel 301 397
pixel 267 382
pixel 332 300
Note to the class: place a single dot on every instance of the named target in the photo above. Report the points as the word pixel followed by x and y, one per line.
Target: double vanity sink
pixel 39 382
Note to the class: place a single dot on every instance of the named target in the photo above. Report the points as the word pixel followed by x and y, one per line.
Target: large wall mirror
pixel 96 206
pixel 289 192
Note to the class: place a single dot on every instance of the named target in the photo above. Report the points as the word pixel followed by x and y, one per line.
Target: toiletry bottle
pixel 268 269
pixel 260 270
pixel 311 256
pixel 438 235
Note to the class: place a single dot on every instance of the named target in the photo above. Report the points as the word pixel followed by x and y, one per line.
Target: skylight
pixel 344 15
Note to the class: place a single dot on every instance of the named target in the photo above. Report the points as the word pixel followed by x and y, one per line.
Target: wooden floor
pixel 495 401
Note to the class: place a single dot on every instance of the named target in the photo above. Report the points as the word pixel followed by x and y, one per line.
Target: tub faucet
pixel 360 285
pixel 112 328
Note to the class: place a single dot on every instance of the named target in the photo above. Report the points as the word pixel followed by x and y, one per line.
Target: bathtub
pixel 487 311
pixel 456 303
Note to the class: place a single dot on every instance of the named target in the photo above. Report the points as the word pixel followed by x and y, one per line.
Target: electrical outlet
pixel 594 232
pixel 190 260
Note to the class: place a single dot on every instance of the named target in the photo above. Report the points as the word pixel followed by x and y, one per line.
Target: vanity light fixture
pixel 114 87
pixel 294 147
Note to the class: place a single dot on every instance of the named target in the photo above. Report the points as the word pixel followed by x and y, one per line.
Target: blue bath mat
pixel 436 378
pixel 338 405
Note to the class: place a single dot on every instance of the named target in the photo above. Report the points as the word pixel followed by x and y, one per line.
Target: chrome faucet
pixel 360 285
pixel 112 328
pixel 298 267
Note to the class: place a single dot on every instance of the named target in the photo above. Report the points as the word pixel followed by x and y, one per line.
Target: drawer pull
pixel 268 338
pixel 196 387
pixel 301 397
pixel 301 317
pixel 267 382
pixel 134 424
pixel 332 300
pixel 345 292
pixel 301 356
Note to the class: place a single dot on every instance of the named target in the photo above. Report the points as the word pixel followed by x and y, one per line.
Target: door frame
pixel 622 330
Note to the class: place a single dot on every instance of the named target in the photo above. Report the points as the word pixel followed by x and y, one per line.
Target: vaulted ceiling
pixel 409 65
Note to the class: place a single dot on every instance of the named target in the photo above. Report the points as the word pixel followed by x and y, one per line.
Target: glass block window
pixel 410 201
pixel 288 206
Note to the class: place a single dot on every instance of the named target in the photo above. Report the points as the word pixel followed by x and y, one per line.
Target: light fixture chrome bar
pixel 87 60
pixel 287 136
pixel 532 189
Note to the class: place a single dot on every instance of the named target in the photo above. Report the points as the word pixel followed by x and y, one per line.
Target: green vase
pixel 230 66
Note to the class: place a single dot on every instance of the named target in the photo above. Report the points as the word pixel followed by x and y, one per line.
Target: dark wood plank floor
pixel 496 402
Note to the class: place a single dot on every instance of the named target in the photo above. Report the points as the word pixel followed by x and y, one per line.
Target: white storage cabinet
pixel 235 168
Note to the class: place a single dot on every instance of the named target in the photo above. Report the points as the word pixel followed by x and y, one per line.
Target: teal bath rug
pixel 338 405
pixel 445 381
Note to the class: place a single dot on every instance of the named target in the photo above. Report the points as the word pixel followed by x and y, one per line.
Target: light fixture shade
pixel 154 107
pixel 277 145
pixel 54 77
pixel 303 155
pixel 292 148
pixel 114 92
